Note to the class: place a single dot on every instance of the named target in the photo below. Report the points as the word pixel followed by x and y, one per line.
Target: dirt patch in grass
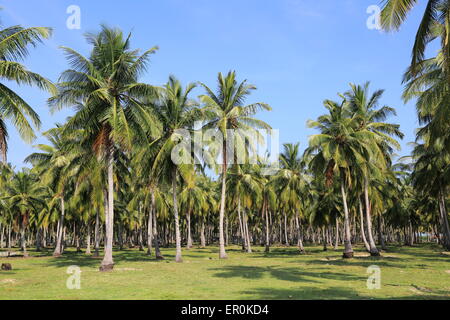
pixel 127 269
pixel 8 281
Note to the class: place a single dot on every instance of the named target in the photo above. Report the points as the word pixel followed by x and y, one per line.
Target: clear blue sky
pixel 297 52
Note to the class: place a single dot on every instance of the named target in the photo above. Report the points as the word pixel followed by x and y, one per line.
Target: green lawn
pixel 421 272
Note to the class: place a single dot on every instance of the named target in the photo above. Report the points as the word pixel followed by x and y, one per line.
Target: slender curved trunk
pixel 222 253
pixel 76 233
pixel 348 251
pixel 301 249
pixel 59 231
pixel 2 235
pixel 9 237
pixel 247 233
pixel 38 240
pixel 373 248
pixel 150 229
pixel 336 243
pixel 445 228
pixel 266 216
pixel 88 238
pixel 97 235
pixel 189 235
pixel 324 239
pixel 241 227
pixel 141 239
pixel 202 235
pixel 23 242
pixel 108 262
pixel 175 212
pixel 285 229
pixel 380 233
pixel 158 254
pixel 363 234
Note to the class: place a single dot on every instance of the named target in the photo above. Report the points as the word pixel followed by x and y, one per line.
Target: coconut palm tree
pixel 291 183
pixel 52 166
pixel 370 117
pixel 244 186
pixel 192 200
pixel 434 25
pixel 339 150
pixel 431 175
pixel 177 114
pixel 107 96
pixel 24 194
pixel 14 44
pixel 225 111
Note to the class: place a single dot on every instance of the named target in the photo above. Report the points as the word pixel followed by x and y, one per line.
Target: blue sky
pixel 297 52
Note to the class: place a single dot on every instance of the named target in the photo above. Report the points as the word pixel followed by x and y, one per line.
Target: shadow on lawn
pixel 336 293
pixel 286 274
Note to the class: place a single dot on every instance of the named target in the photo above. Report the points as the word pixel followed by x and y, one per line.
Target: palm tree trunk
pixel 189 235
pixel 59 231
pixel 265 209
pixel 23 242
pixel 363 234
pixel 150 230
pixel 285 229
pixel 247 234
pixel 241 226
pixel 222 253
pixel 88 238
pixel 301 249
pixel 373 249
pixel 97 235
pixel 324 239
pixel 202 235
pixel 380 233
pixel 2 236
pixel 158 254
pixel 444 221
pixel 38 239
pixel 336 243
pixel 348 251
pixel 175 212
pixel 9 237
pixel 108 262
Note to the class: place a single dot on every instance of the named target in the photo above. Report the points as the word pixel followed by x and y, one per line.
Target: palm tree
pixel 14 43
pixel 291 184
pixel 192 200
pixel 176 112
pixel 24 194
pixel 431 175
pixel 106 94
pixel 244 187
pixel 427 79
pixel 52 165
pixel 339 149
pixel 225 111
pixel 434 24
pixel 365 110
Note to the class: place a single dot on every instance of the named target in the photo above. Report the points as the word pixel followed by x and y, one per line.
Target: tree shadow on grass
pixel 306 293
pixel 286 274
pixel 335 293
pixel 358 262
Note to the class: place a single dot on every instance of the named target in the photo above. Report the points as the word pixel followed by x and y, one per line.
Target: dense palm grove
pixel 106 178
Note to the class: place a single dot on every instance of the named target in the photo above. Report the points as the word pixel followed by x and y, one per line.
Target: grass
pixel 421 272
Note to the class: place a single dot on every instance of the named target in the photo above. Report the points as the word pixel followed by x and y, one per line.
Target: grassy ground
pixel 421 272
